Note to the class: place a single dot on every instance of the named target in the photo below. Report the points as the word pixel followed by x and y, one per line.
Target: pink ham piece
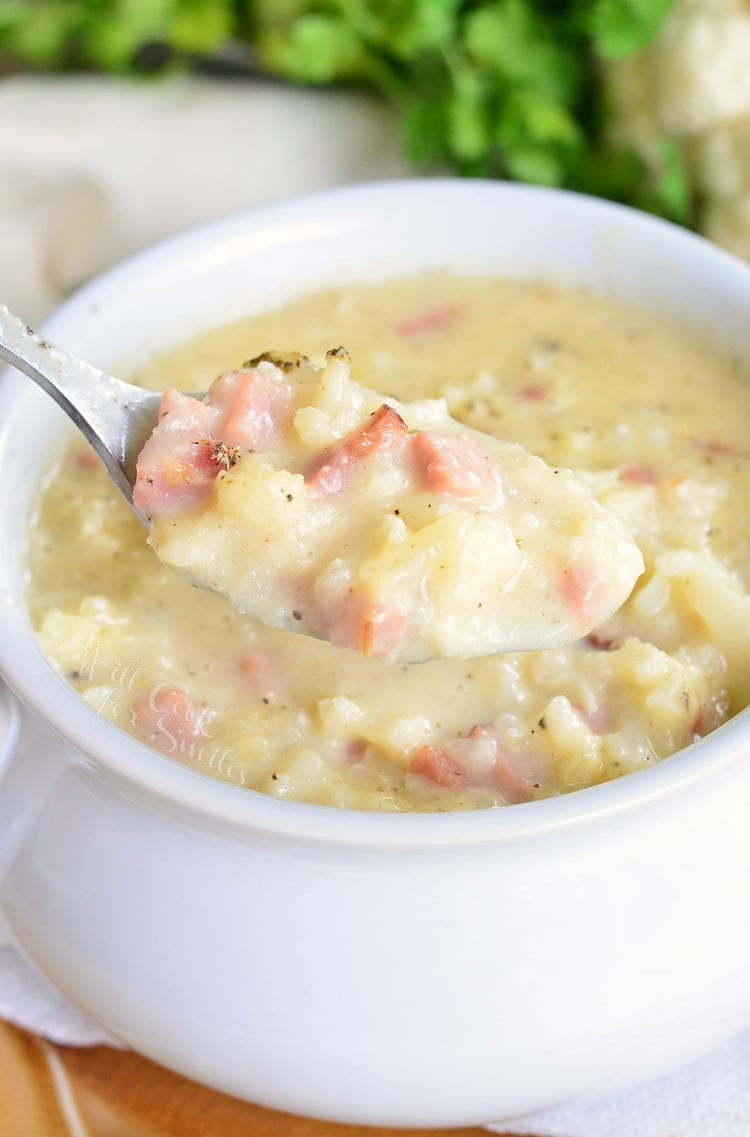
pixel 517 777
pixel 88 461
pixel 436 764
pixel 456 465
pixel 196 439
pixel 717 448
pixel 586 591
pixel 169 719
pixel 259 673
pixel 365 626
pixel 533 393
pixel 432 320
pixel 176 465
pixel 334 472
pixel 638 475
pixel 251 406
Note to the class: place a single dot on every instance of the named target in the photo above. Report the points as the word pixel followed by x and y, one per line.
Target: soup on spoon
pixel 318 506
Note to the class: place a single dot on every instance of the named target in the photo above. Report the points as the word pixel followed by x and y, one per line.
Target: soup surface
pixel 654 420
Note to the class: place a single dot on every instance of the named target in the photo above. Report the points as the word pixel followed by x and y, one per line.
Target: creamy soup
pixel 386 527
pixel 654 421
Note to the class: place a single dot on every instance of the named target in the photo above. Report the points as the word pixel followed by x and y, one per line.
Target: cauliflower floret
pixel 727 221
pixel 75 639
pixel 692 86
pixel 701 72
pixel 720 160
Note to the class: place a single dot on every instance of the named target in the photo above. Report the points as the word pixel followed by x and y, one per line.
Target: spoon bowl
pixel 561 563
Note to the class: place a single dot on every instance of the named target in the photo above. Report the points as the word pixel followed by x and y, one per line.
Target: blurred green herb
pixel 620 27
pixel 501 88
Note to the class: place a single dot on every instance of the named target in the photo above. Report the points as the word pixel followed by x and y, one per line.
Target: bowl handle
pixel 32 759
pixel 10 721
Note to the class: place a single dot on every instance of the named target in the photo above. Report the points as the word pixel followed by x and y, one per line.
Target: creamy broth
pixel 655 421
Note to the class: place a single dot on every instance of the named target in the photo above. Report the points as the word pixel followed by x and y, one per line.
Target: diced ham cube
pixel 516 776
pixel 88 461
pixel 432 320
pixel 638 475
pixel 533 393
pixel 195 440
pixel 169 720
pixel 382 432
pixel 361 624
pixel 455 465
pixel 259 672
pixel 177 464
pixel 706 720
pixel 717 448
pixel 515 783
pixel 598 718
pixel 176 479
pixel 178 412
pixel 380 630
pixel 436 764
pixel 251 407
pixel 586 591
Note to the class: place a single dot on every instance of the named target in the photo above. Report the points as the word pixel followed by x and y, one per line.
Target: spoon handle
pixel 115 417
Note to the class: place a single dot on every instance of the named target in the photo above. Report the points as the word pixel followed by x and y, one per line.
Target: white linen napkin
pixel 710 1098
pixel 92 169
pixel 29 1001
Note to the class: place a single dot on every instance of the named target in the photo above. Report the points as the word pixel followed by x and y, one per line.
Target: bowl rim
pixel 137 769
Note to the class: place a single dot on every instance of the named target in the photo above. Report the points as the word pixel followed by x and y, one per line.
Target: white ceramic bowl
pixel 386 969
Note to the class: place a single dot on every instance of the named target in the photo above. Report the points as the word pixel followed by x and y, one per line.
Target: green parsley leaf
pixel 468 117
pixel 621 27
pixel 672 195
pixel 513 39
pixel 529 117
pixel 40 33
pixel 315 49
pixel 492 87
pixel 407 29
pixel 536 164
pixel 200 26
pixel 424 130
pixel 113 42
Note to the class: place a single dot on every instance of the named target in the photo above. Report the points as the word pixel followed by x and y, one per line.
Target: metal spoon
pixel 115 417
